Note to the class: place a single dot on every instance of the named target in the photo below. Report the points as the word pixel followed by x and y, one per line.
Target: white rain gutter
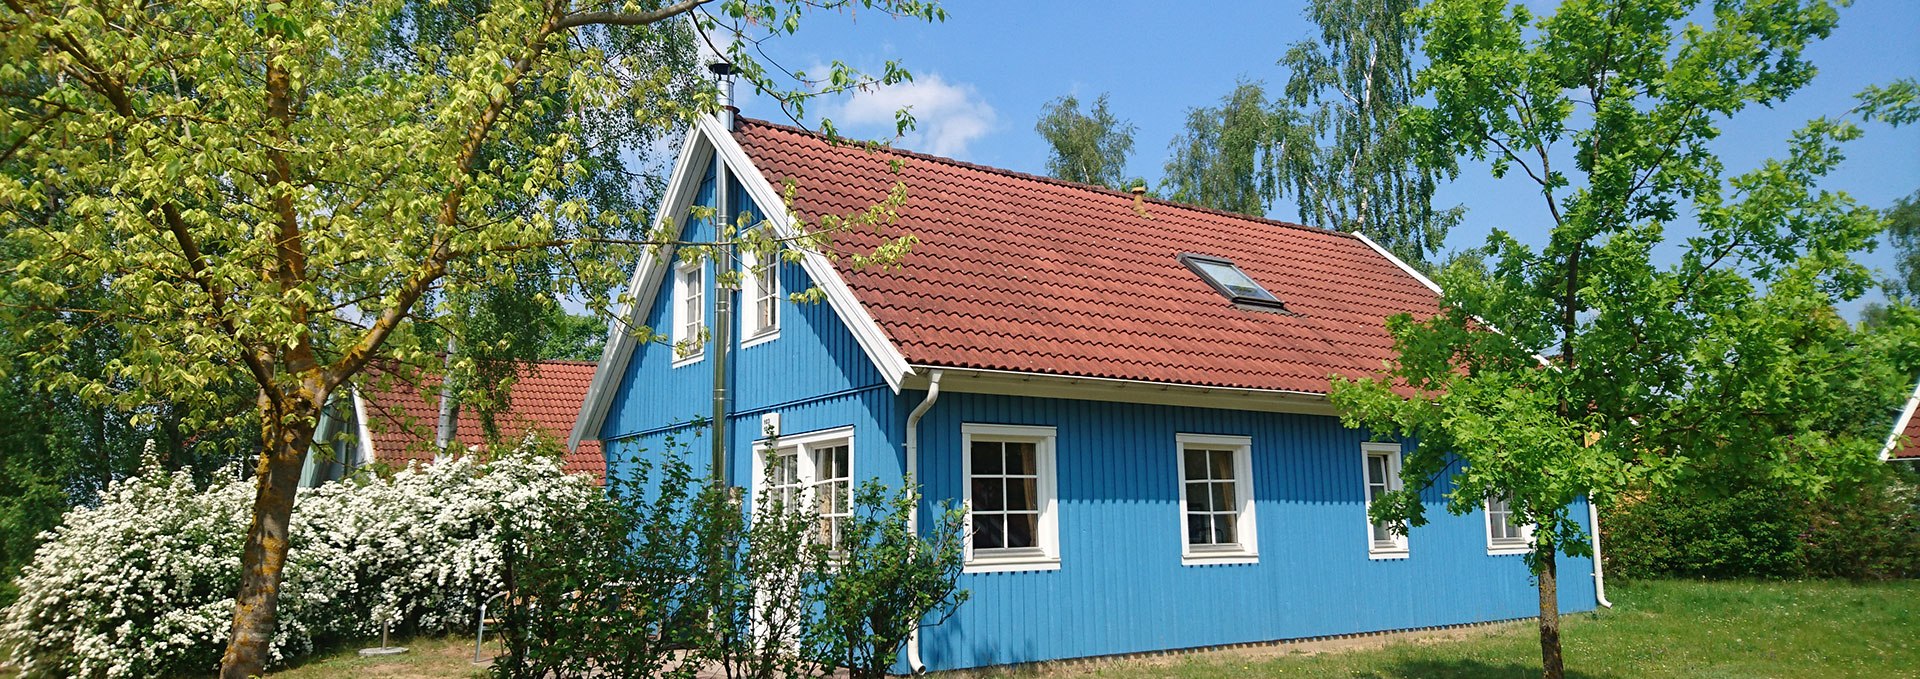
pixel 913 513
pixel 1599 564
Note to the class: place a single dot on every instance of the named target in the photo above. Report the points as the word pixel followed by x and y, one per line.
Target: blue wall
pixel 815 374
pixel 1121 587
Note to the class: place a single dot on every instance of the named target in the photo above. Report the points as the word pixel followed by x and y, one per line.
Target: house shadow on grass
pixel 1460 668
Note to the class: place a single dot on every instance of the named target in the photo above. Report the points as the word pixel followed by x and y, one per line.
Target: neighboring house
pixel 394 419
pixel 1903 443
pixel 1128 394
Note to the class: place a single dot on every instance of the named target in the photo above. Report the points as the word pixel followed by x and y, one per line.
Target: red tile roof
pixel 1908 446
pixel 403 413
pixel 1023 273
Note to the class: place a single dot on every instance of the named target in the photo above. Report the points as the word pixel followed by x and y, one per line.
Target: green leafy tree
pixel 1218 159
pixel 273 197
pixel 1582 368
pixel 1903 228
pixel 1341 150
pixel 1090 147
pixel 572 337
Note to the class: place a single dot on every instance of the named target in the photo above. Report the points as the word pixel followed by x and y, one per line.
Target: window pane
pixel 1199 529
pixel 1377 469
pixel 1020 530
pixel 1197 496
pixel 1020 494
pixel 1020 458
pixel 989 532
pixel 1223 497
pixel 1224 530
pixel 986 457
pixel 1196 465
pixel 1222 464
pixel 989 495
pixel 1381 534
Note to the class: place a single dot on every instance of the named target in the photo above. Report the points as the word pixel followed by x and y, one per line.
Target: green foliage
pixel 1868 531
pixel 1217 160
pixel 885 581
pixel 1090 147
pixel 573 338
pixel 1341 148
pixel 1903 228
pixel 1583 368
pixel 672 575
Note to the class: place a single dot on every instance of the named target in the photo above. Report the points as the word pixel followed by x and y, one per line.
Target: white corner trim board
pixel 709 137
pixel 1900 425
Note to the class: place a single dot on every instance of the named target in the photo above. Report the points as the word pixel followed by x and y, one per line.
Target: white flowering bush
pixel 142 585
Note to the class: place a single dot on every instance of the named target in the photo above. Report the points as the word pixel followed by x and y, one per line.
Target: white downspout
pixel 1599 564
pixel 913 513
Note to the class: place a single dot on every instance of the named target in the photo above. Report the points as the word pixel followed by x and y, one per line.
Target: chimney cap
pixel 722 68
pixel 1140 190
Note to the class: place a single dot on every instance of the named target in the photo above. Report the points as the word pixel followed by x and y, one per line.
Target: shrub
pixel 683 577
pixel 1866 531
pixel 142 584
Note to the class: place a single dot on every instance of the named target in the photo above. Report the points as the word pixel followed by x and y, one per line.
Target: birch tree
pixel 1090 147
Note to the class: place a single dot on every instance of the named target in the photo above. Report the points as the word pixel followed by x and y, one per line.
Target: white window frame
pixel 1396 548
pixel 753 304
pixel 688 275
pixel 1045 554
pixel 1247 549
pixel 1506 546
pixel 804 447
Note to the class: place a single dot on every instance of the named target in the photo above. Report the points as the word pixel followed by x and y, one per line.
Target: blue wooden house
pixel 1128 395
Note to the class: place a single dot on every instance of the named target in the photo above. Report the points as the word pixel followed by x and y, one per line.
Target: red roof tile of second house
pixel 403 413
pixel 1021 273
pixel 1908 445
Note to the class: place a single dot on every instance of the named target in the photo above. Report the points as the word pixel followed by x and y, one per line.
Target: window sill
pixel 684 361
pixel 1379 554
pixel 1011 564
pixel 1508 550
pixel 763 337
pixel 1225 557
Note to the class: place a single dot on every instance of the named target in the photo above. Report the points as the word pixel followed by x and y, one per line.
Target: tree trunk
pixel 1552 665
pixel 285 436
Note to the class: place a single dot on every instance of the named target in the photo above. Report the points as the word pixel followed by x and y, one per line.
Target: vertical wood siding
pixel 1121 587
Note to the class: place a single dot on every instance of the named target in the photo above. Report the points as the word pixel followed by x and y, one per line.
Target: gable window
pixel 760 297
pixel 1382 468
pixel 1232 283
pixel 810 473
pixel 1504 534
pixel 689 312
pixel 1011 513
pixel 1216 500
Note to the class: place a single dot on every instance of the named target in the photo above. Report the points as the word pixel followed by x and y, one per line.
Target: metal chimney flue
pixel 723 72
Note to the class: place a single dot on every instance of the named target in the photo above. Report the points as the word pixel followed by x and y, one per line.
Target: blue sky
pixel 983 75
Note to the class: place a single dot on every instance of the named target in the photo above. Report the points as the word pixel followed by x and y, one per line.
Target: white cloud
pixel 947 116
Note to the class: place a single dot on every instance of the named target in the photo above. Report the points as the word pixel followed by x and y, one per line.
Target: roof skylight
pixel 1232 283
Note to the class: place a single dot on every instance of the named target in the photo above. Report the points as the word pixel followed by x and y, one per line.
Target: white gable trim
pixel 1415 273
pixel 703 139
pixel 886 357
pixel 1900 425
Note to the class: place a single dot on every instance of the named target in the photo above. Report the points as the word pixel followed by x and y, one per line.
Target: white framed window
pixel 1381 466
pixel 1504 534
pixel 759 298
pixel 1013 522
pixel 811 472
pixel 1216 500
pixel 689 312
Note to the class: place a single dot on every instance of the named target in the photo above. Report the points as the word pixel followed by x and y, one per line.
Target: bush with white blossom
pixel 142 584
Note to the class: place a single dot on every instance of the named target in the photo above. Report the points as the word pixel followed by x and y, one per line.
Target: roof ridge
pixel 1048 180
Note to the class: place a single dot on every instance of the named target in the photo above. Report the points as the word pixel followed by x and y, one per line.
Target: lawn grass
pixel 1703 630
pixel 1699 630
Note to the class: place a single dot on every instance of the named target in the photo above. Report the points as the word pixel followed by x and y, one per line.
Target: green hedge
pixel 1867 532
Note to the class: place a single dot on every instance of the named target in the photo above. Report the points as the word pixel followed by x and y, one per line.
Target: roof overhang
pixel 1043 385
pixel 707 139
pixel 1900 426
